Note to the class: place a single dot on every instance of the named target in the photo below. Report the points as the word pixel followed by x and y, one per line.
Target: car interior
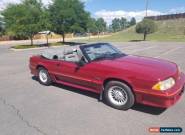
pixel 71 55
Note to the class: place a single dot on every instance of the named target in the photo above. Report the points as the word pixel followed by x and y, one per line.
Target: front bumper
pixel 163 99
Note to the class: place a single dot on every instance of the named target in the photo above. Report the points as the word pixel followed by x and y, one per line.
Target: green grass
pixel 25 46
pixel 56 44
pixel 36 46
pixel 168 30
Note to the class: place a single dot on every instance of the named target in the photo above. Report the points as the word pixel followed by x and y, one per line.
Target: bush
pixel 147 26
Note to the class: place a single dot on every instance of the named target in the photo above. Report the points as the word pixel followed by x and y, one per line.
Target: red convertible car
pixel 120 79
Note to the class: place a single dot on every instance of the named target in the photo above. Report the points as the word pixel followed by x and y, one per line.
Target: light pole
pixel 146 8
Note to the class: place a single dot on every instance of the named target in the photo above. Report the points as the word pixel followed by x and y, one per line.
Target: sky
pixel 110 9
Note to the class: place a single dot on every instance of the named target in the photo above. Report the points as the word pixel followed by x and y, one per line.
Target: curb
pixel 36 48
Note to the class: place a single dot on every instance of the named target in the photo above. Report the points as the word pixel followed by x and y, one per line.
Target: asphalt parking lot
pixel 28 108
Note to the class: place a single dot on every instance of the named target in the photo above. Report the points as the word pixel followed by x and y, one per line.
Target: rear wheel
pixel 44 77
pixel 119 95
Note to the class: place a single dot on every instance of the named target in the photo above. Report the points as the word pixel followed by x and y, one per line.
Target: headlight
pixel 164 85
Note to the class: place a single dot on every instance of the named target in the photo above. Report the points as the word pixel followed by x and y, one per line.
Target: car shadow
pixel 78 91
pixel 72 89
pixel 72 43
pixel 136 107
pixel 137 40
pixel 148 109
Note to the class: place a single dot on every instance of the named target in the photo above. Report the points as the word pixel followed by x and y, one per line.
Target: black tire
pixel 125 90
pixel 48 80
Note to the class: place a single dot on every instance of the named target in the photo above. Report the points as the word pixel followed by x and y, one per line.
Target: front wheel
pixel 119 95
pixel 44 77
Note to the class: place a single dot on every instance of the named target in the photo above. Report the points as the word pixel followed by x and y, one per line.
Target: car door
pixel 83 76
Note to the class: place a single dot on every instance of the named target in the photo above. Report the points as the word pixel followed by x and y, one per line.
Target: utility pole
pixel 145 31
pixel 146 8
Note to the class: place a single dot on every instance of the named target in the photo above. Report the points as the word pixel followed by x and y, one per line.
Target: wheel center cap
pixel 118 95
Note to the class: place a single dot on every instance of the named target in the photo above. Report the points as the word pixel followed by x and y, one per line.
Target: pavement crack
pixel 21 117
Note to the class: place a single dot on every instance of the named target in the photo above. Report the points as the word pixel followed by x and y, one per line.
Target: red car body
pixel 140 73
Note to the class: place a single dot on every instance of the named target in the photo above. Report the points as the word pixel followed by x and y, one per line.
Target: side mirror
pixel 81 62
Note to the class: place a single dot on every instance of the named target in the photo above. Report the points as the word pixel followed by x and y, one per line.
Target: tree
pixel 44 20
pixel 147 26
pixel 119 24
pixel 45 25
pixel 68 16
pixel 23 20
pixel 123 23
pixel 132 21
pixel 116 25
pixel 1 26
pixel 91 25
pixel 101 25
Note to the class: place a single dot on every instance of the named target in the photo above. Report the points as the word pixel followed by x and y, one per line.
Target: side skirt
pixel 77 86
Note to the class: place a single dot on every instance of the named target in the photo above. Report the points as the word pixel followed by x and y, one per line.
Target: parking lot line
pixel 143 49
pixel 169 51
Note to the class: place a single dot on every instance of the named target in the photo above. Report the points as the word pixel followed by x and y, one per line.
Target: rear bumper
pixel 33 70
pixel 162 99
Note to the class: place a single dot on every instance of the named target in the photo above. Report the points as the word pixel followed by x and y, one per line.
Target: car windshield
pixel 101 51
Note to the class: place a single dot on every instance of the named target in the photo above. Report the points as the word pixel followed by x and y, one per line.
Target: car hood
pixel 145 66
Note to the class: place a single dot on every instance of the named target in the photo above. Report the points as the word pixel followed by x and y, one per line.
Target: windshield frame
pixel 82 48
